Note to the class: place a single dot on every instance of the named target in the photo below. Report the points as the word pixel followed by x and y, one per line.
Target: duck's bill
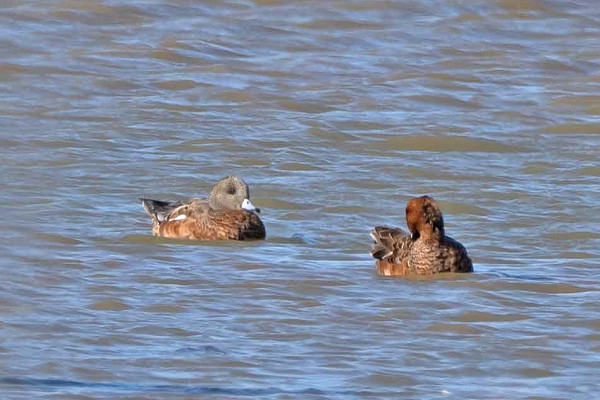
pixel 248 206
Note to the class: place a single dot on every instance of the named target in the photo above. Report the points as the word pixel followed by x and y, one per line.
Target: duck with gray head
pixel 228 214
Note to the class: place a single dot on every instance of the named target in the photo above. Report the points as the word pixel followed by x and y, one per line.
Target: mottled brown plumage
pixel 228 214
pixel 426 250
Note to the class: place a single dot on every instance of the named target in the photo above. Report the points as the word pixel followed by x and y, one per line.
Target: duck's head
pixel 231 193
pixel 424 218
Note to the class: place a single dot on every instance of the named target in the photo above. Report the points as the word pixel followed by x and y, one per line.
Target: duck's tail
pixel 158 210
pixel 386 241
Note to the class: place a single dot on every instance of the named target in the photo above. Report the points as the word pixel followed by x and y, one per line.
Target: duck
pixel 227 214
pixel 424 250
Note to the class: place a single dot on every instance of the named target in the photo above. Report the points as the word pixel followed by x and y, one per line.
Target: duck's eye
pixel 231 190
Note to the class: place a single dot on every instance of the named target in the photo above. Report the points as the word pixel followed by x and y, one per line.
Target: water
pixel 336 113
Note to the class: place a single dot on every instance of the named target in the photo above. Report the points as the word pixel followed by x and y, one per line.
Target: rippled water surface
pixel 336 113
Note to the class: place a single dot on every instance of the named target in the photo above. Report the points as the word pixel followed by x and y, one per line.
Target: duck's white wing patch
pixel 180 217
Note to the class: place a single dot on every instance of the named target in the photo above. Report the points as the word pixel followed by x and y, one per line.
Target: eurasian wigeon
pixel 426 250
pixel 228 214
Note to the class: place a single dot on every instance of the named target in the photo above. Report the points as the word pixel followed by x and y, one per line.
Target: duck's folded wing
pixel 390 244
pixel 158 209
pixel 192 209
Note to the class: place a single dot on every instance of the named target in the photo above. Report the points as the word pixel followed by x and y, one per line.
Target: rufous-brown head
pixel 424 218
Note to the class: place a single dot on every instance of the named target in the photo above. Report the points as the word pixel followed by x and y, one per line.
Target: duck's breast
pixel 456 257
pixel 232 225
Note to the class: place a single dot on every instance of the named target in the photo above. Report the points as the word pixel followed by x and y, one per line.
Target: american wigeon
pixel 228 214
pixel 426 250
